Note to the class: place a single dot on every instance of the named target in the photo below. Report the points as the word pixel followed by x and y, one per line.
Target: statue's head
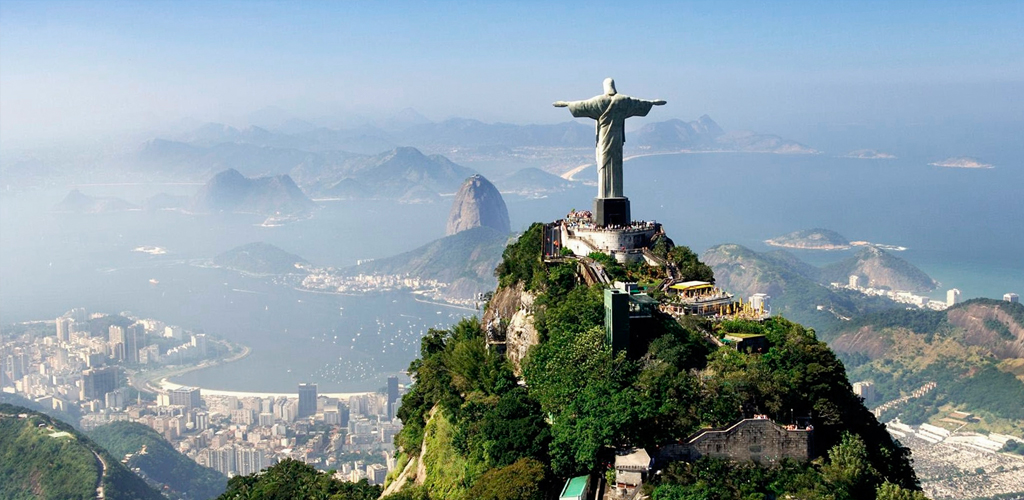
pixel 609 87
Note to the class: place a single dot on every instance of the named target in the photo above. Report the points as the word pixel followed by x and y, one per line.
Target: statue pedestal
pixel 611 211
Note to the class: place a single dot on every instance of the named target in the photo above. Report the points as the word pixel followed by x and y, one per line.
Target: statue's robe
pixel 611 112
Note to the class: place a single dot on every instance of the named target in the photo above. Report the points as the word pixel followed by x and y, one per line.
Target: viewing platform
pixel 624 243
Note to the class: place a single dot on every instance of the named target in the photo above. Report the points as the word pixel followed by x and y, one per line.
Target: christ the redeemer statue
pixel 610 110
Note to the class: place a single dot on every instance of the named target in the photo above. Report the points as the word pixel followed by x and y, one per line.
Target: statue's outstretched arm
pixel 659 102
pixel 561 104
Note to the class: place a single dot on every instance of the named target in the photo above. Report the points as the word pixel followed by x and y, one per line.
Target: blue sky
pixel 72 70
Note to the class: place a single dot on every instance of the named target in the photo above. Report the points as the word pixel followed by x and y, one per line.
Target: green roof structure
pixel 575 488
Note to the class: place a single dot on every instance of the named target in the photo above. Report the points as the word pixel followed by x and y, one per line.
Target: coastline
pixel 146 382
pixel 167 385
pixel 445 304
pixel 571 174
pixel 826 248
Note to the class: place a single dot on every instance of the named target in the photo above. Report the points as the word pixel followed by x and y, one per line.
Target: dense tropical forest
pixel 160 462
pixel 291 480
pixel 481 434
pixel 44 458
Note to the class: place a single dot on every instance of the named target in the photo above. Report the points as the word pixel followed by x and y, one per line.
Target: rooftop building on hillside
pixel 576 488
pixel 631 468
pixel 743 342
pixel 1011 298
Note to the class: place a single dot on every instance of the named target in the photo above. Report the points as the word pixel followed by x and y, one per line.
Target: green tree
pixel 889 491
pixel 689 265
pixel 515 429
pixel 849 470
pixel 295 480
pixel 523 480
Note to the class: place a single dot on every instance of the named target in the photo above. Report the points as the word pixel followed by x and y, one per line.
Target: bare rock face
pixel 510 314
pixel 478 203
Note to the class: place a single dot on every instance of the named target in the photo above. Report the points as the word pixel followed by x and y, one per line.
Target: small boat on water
pixel 153 281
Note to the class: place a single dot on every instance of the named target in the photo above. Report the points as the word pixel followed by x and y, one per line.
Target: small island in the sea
pixel 151 250
pixel 811 239
pixel 962 162
pixel 869 154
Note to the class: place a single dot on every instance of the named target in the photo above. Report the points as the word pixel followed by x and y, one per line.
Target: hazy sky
pixel 80 70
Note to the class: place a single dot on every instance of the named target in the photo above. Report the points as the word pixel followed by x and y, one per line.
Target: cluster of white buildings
pixel 242 435
pixel 79 359
pixel 83 360
pixel 324 279
pixel 328 281
pixel 903 297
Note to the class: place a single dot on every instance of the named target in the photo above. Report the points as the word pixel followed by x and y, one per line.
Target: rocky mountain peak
pixel 478 203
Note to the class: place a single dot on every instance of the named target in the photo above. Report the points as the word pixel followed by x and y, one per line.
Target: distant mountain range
pixel 404 174
pixel 258 151
pixel 78 202
pixel 457 133
pixel 230 191
pixel 532 182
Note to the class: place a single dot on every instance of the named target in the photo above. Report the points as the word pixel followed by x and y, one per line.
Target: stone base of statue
pixel 611 212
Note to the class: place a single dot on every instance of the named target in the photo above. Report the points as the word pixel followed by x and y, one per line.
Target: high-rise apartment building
pixel 134 336
pixel 952 297
pixel 64 329
pixel 392 405
pixel 307 400
pixel 189 397
pixel 97 382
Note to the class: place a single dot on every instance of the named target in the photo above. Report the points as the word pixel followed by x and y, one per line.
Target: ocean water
pixel 53 262
pixel 963 227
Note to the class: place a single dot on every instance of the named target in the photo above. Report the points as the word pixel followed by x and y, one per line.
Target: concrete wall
pixel 584 241
pixel 757 440
pixel 616 240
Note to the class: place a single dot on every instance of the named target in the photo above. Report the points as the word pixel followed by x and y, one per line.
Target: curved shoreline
pixel 146 383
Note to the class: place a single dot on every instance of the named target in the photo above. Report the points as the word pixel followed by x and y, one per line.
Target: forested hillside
pixel 44 458
pixel 974 352
pixel 159 461
pixel 294 480
pixel 473 431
